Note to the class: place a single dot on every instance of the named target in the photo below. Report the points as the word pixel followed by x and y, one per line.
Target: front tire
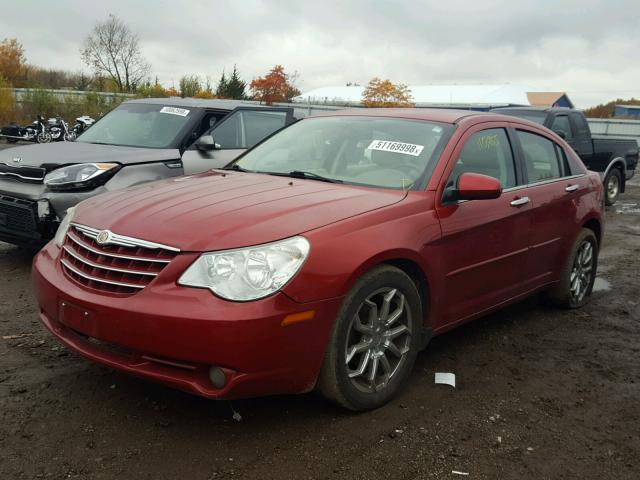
pixel 612 185
pixel 578 275
pixel 43 137
pixel 374 341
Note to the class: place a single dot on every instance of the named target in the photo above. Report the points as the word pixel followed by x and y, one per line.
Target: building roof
pixel 545 99
pixel 430 95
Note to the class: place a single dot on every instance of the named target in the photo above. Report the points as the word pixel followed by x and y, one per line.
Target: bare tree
pixel 112 50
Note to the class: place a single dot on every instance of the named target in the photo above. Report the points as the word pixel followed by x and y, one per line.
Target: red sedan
pixel 327 256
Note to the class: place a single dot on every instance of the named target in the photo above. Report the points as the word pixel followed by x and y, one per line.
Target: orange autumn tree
pixel 276 86
pixel 11 58
pixel 384 93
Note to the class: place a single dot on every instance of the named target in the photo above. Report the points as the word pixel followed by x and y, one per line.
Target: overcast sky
pixel 588 48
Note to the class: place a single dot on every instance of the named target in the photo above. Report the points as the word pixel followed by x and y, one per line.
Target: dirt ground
pixel 542 394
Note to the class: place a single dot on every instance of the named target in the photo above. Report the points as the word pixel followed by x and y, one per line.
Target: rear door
pixel 554 188
pixel 241 129
pixel 484 242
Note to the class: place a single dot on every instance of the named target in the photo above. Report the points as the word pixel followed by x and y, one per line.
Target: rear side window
pixel 561 124
pixel 540 157
pixel 487 152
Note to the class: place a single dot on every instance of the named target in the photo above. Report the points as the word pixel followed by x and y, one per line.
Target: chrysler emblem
pixel 17 159
pixel 103 237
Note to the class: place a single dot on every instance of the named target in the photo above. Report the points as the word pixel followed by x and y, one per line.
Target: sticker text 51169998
pixel 396 147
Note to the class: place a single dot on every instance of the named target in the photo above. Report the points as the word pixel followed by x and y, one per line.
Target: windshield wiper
pixel 235 167
pixel 307 175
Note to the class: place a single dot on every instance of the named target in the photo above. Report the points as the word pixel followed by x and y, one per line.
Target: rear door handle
pixel 518 202
pixel 571 188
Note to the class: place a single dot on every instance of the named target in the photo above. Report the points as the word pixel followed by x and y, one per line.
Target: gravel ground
pixel 541 394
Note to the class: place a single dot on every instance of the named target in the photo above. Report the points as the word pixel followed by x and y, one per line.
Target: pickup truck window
pixel 487 152
pixel 531 115
pixel 540 157
pixel 580 125
pixel 245 128
pixel 139 125
pixel 561 124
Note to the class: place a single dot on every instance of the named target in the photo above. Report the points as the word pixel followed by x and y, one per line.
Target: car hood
pixel 219 210
pixel 52 155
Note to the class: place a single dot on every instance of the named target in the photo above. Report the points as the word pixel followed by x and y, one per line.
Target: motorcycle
pixel 36 132
pixel 82 123
pixel 60 130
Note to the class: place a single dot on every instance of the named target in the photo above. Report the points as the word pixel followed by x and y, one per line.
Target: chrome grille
pixel 121 264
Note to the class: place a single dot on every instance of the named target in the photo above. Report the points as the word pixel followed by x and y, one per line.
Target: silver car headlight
pixel 64 227
pixel 82 175
pixel 248 273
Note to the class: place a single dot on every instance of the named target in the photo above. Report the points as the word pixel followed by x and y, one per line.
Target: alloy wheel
pixel 613 186
pixel 581 274
pixel 378 340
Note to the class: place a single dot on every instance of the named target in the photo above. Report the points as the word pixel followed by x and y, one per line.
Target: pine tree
pixel 236 86
pixel 223 87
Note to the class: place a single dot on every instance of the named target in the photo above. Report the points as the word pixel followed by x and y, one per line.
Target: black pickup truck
pixel 615 160
pixel 140 141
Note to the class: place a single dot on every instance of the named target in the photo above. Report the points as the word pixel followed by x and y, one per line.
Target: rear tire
pixel 578 275
pixel 374 341
pixel 612 185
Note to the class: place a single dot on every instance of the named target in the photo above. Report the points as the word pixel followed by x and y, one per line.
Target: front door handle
pixel 571 188
pixel 518 202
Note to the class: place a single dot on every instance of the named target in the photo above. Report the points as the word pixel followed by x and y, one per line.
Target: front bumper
pixel 30 213
pixel 173 334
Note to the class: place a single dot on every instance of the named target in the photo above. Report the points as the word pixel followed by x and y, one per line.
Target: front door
pixel 238 131
pixel 484 242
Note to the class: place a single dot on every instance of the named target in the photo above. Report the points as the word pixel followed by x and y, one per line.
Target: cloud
pixel 583 47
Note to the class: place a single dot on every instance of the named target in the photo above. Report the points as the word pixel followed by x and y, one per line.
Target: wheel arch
pixel 620 164
pixel 407 261
pixel 595 226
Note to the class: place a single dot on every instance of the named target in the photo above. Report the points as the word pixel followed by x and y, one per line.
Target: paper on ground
pixel 446 378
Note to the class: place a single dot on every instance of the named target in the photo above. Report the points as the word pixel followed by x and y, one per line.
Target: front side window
pixel 487 152
pixel 245 128
pixel 139 125
pixel 561 124
pixel 580 123
pixel 360 150
pixel 540 157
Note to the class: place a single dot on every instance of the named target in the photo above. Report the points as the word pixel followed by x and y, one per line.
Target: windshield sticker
pixel 396 147
pixel 175 111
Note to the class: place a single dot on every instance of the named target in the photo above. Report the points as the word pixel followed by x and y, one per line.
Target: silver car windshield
pixel 139 125
pixel 373 151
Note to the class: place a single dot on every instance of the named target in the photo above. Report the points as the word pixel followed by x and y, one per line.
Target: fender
pixel 613 163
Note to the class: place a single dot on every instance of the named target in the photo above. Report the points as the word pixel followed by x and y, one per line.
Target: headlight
pixel 64 227
pixel 248 273
pixel 83 175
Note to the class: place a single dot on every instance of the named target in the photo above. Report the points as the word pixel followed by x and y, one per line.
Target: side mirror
pixel 473 186
pixel 561 134
pixel 205 143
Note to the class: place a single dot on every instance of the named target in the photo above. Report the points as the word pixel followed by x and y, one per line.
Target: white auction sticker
pixel 175 111
pixel 396 147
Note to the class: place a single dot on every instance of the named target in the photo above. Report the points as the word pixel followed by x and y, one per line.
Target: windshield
pixel 536 117
pixel 373 151
pixel 139 125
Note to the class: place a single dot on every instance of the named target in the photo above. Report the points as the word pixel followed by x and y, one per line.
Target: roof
pixel 533 109
pixel 545 99
pixel 430 95
pixel 630 107
pixel 197 102
pixel 442 115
